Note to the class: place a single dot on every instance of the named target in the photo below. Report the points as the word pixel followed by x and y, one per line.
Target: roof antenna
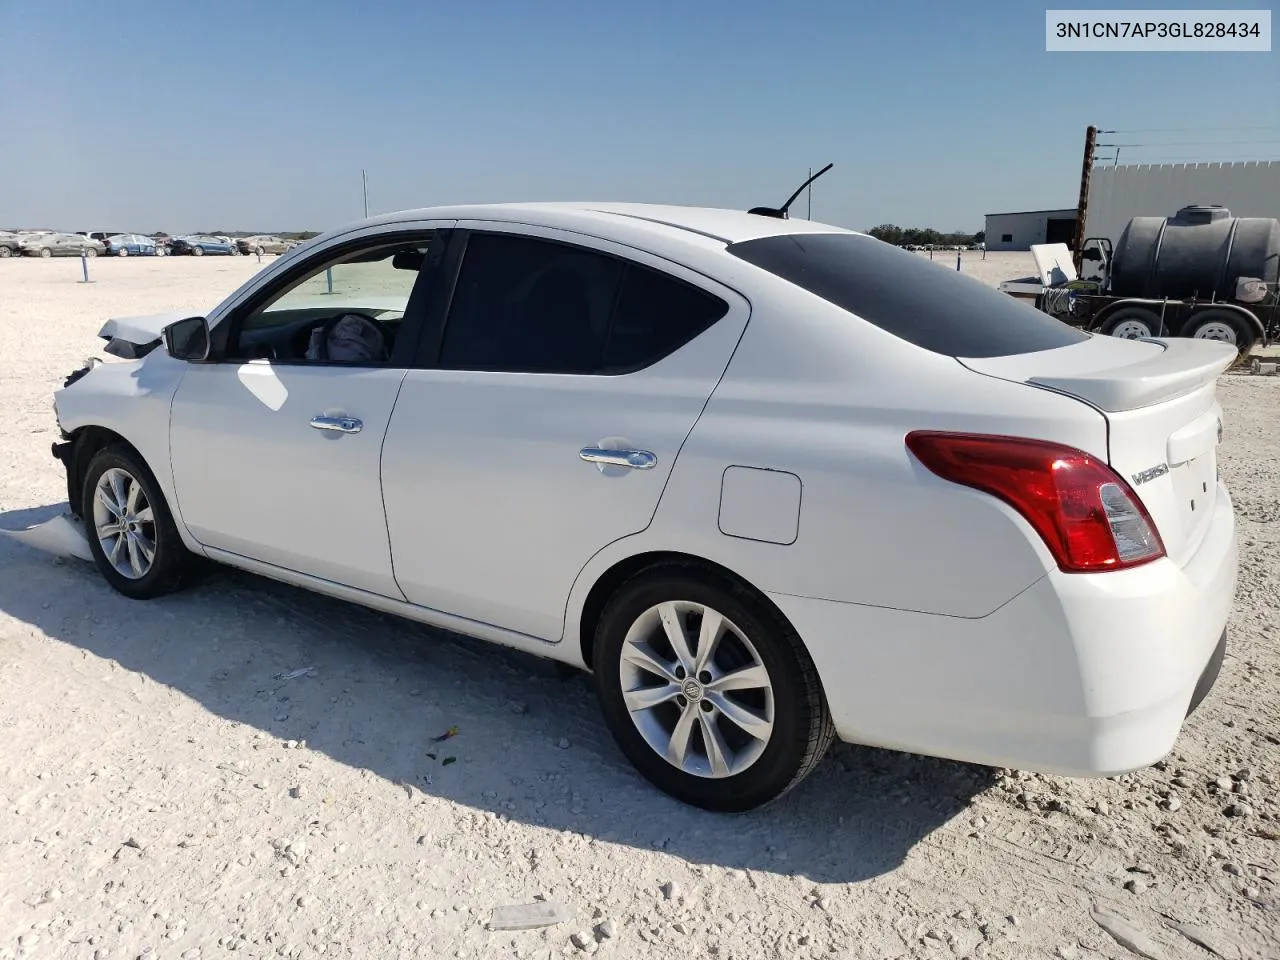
pixel 781 212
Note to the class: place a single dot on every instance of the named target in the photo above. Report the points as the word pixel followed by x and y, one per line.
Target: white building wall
pixel 1118 194
pixel 1024 228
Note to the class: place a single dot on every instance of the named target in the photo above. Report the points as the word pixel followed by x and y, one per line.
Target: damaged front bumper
pixel 62 535
pixel 65 453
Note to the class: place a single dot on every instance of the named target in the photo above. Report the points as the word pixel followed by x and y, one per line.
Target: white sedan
pixel 770 481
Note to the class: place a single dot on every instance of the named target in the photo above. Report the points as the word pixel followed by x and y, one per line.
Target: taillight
pixel 1087 515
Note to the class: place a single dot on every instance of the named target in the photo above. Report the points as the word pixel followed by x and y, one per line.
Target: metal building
pixel 1118 194
pixel 1018 231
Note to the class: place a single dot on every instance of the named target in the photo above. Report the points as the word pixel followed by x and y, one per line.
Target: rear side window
pixel 528 305
pixel 656 316
pixel 918 301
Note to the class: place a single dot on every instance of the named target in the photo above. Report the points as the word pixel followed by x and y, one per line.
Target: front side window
pixel 349 309
pixel 527 305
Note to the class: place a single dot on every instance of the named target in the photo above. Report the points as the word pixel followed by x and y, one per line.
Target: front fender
pixel 130 399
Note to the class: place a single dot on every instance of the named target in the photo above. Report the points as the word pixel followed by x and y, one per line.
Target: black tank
pixel 1200 252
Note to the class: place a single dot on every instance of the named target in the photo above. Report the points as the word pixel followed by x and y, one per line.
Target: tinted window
pixel 656 316
pixel 921 302
pixel 536 306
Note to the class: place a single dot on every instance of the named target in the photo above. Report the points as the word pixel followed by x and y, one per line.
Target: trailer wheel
pixel 1132 323
pixel 1224 326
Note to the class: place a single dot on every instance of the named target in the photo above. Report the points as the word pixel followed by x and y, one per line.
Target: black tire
pixel 46 253
pixel 5 252
pixel 197 251
pixel 171 561
pixel 1213 324
pixel 91 251
pixel 259 251
pixel 1127 318
pixel 122 252
pixel 802 728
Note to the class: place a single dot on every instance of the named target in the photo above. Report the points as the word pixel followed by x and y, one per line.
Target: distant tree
pixel 923 236
pixel 888 232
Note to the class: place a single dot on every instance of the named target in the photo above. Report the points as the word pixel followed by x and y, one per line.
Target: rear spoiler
pixel 1183 365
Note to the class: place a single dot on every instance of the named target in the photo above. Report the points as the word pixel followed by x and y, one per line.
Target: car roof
pixel 619 219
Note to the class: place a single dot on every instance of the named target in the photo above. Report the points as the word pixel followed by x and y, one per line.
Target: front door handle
pixel 636 459
pixel 340 424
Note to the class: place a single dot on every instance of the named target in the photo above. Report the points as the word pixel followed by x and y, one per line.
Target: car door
pixel 542 421
pixel 275 446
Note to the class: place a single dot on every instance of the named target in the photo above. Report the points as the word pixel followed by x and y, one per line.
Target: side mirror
pixel 408 260
pixel 188 339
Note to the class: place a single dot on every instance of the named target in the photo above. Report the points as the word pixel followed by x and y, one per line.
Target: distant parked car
pixel 263 245
pixel 100 235
pixel 9 244
pixel 132 245
pixel 61 245
pixel 198 246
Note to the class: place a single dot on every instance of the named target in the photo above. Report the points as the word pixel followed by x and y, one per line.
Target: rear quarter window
pixel 912 298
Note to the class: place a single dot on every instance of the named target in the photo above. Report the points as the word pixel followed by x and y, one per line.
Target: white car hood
pixel 142 330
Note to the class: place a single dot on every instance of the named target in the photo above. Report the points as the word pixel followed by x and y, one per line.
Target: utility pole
pixel 364 179
pixel 1082 207
pixel 809 198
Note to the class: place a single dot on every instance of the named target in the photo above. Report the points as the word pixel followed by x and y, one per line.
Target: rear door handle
pixel 340 424
pixel 636 459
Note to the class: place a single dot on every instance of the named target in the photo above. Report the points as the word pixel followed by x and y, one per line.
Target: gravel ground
pixel 166 792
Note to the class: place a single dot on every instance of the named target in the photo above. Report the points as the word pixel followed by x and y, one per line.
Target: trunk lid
pixel 1164 422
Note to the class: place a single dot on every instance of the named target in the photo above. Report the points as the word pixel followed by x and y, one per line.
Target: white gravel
pixel 164 793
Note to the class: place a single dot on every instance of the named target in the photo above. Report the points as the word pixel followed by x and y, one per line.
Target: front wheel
pixel 122 252
pixel 708 690
pixel 134 541
pixel 46 253
pixel 91 251
pixel 197 251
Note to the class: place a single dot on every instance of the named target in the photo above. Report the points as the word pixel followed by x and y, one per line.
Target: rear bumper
pixel 1080 674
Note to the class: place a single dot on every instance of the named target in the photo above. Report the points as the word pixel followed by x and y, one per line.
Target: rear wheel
pixel 5 252
pixel 707 689
pixel 131 533
pixel 1225 326
pixel 1132 323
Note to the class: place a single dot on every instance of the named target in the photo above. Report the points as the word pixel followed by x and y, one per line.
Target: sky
pixel 230 115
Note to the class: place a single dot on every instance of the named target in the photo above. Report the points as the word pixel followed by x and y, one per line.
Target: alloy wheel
pixel 125 523
pixel 697 689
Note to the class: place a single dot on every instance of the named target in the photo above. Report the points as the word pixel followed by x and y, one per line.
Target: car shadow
pixel 531 744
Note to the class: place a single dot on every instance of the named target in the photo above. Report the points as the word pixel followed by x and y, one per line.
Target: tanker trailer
pixel 1200 273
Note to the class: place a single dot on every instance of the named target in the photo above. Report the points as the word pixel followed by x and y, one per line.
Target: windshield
pixel 914 299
